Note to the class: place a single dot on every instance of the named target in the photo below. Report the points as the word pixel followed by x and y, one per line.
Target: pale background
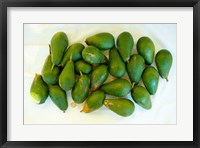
pixel 182 129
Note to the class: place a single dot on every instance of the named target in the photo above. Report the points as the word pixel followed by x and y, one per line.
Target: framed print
pixel 104 73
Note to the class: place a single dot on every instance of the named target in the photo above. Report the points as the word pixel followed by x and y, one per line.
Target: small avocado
pixel 94 101
pixel 67 77
pixel 120 106
pixel 117 67
pixel 82 66
pixel 93 55
pixel 118 87
pixel 81 89
pixel 146 49
pixel 49 75
pixel 59 43
pixel 39 90
pixel 98 76
pixel 141 96
pixel 125 45
pixel 58 96
pixel 150 78
pixel 164 62
pixel 135 68
pixel 102 41
pixel 75 50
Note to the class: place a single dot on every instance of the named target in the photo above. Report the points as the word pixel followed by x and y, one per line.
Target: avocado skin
pixel 103 41
pixel 39 90
pixel 146 49
pixel 150 78
pixel 82 66
pixel 141 96
pixel 164 61
pixel 120 106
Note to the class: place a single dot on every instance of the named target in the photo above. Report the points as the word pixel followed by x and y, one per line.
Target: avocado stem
pixel 70 57
pixel 52 67
pixel 166 78
pixel 81 73
pixel 49 49
pixel 133 84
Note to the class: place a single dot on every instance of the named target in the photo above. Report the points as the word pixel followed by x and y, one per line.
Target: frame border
pixel 99 3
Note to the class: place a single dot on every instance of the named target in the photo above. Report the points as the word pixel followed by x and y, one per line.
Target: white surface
pixel 182 131
pixel 36 40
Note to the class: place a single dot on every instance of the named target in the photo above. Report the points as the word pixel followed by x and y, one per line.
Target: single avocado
pixel 135 68
pixel 49 75
pixel 81 89
pixel 146 49
pixel 116 66
pixel 82 66
pixel 150 78
pixel 39 90
pixel 164 61
pixel 98 76
pixel 59 43
pixel 75 50
pixel 103 41
pixel 125 45
pixel 93 55
pixel 93 101
pixel 141 96
pixel 120 106
pixel 58 96
pixel 67 77
pixel 118 87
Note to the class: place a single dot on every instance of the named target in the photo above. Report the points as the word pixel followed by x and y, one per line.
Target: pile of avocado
pixel 83 70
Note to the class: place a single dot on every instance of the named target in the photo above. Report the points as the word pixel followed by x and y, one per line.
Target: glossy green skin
pixel 58 96
pixel 67 77
pixel 75 50
pixel 120 106
pixel 146 49
pixel 59 43
pixel 164 61
pixel 82 66
pixel 93 55
pixel 141 96
pixel 94 101
pixel 103 41
pixel 125 45
pixel 49 75
pixel 150 78
pixel 117 87
pixel 135 68
pixel 98 76
pixel 39 90
pixel 81 89
pixel 117 67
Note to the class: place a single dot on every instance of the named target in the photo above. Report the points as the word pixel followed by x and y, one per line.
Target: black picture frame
pixel 4 4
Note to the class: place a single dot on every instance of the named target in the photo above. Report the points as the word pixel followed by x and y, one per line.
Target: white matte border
pixel 183 131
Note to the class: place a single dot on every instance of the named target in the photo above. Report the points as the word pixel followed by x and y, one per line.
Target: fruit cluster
pixel 83 70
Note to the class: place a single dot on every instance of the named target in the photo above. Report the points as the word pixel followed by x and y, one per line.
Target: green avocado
pixel 93 55
pixel 49 75
pixel 117 67
pixel 81 89
pixel 67 77
pixel 98 76
pixel 164 62
pixel 125 45
pixel 135 68
pixel 150 78
pixel 93 101
pixel 82 66
pixel 146 49
pixel 103 41
pixel 120 106
pixel 58 96
pixel 59 43
pixel 75 50
pixel 141 96
pixel 39 90
pixel 118 87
